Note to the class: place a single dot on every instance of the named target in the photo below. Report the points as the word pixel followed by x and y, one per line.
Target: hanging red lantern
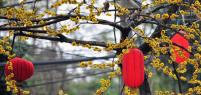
pixel 22 69
pixel 179 53
pixel 133 68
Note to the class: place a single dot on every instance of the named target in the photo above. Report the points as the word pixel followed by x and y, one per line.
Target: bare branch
pixel 18 4
pixel 58 19
pixel 145 47
pixel 62 38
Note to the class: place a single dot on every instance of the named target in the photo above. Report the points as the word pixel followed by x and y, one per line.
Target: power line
pixel 53 50
pixel 73 73
pixel 71 61
pixel 68 79
pixel 55 68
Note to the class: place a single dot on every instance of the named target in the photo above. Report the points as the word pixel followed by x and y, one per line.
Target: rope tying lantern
pixel 133 68
pixel 22 69
pixel 180 54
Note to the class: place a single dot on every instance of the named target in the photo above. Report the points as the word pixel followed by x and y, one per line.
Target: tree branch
pixel 18 4
pixel 58 19
pixel 62 38
pixel 145 47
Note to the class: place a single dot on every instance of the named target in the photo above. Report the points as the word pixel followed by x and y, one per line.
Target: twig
pixel 13 43
pixel 64 39
pixel 178 79
pixel 58 19
pixel 122 90
pixel 18 4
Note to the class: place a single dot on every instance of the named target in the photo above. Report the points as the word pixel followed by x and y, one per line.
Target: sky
pixel 86 32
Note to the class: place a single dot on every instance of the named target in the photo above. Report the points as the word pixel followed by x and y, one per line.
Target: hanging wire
pixel 177 75
pixel 114 30
pixel 12 44
pixel 34 5
pixel 56 68
pixel 73 61
pixel 71 73
pixel 115 17
pixel 175 71
pixel 54 50
pixel 115 38
pixel 68 79
pixel 122 90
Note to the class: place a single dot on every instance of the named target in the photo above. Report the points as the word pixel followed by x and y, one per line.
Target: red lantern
pixel 133 68
pixel 22 69
pixel 180 54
